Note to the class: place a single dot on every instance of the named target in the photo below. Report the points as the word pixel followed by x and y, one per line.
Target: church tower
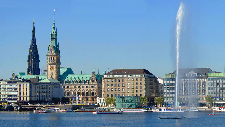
pixel 33 57
pixel 53 56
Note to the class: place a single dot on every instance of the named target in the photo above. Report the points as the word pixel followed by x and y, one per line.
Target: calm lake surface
pixel 195 119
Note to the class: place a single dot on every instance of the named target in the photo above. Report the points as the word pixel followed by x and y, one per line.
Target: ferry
pixel 167 110
pixel 134 110
pixel 219 109
pixel 108 112
pixel 65 110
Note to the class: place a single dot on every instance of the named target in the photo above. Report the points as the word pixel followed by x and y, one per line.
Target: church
pixel 79 88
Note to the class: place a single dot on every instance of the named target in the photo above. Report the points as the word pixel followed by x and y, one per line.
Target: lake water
pixel 195 119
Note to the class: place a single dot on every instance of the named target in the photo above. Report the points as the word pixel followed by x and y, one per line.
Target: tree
pixel 110 100
pixel 55 100
pixel 209 99
pixel 65 100
pixel 143 100
pixel 159 100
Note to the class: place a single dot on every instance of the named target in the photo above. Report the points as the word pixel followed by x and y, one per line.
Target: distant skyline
pixel 129 34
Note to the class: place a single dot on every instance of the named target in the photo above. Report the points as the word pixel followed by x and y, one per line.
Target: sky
pixel 113 34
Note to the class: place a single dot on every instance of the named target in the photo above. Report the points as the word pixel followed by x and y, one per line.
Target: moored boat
pixel 219 109
pixel 168 110
pixel 134 110
pixel 108 112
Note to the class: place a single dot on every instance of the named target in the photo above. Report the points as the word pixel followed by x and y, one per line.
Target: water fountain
pixel 179 18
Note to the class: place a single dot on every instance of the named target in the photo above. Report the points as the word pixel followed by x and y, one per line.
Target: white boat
pixel 193 110
pixel 168 110
pixel 65 110
pixel 46 111
pixel 219 109
pixel 134 110
pixel 108 112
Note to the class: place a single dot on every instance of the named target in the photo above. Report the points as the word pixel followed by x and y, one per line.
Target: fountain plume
pixel 179 18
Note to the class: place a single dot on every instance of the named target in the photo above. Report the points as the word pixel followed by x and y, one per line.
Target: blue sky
pixel 113 34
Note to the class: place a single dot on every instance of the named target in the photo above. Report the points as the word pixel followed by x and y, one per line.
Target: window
pixel 136 79
pixel 111 85
pixel 140 87
pixel 107 95
pixel 118 94
pixel 136 83
pixel 86 86
pixel 115 80
pixel 123 84
pixel 82 86
pixel 118 85
pixel 122 89
pixel 107 80
pixel 111 95
pixel 111 89
pixel 118 80
pixel 140 90
pixel 128 87
pixel 118 89
pixel 115 89
pixel 115 95
pixel 122 80
pixel 115 85
pixel 111 80
pixel 107 85
pixel 136 87
pixel 140 95
pixel 107 89
pixel 140 83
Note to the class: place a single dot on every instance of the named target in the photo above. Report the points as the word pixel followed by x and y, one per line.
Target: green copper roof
pixel 49 80
pixel 41 77
pixel 78 77
pixel 216 74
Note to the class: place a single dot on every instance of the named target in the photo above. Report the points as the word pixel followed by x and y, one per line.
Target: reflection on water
pixel 125 119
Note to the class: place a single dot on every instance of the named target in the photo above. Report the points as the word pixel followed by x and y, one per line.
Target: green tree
pixel 159 100
pixel 209 99
pixel 55 100
pixel 65 100
pixel 110 100
pixel 143 100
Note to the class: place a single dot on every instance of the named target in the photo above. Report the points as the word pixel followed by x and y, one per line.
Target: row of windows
pixel 118 80
pixel 122 90
pixel 78 86
pixel 122 95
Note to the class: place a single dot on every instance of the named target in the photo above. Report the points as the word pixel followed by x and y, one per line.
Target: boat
pixel 168 110
pixel 171 117
pixel 108 112
pixel 193 110
pixel 219 109
pixel 134 110
pixel 65 110
pixel 46 111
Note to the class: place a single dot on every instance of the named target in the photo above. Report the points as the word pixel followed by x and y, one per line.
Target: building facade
pixel 130 82
pixel 9 90
pixel 191 87
pixel 33 57
pixel 83 88
pixel 216 88
pixel 127 102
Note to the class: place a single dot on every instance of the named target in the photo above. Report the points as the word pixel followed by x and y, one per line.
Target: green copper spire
pixel 54 46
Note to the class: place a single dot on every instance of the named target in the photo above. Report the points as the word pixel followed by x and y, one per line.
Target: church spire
pixel 33 57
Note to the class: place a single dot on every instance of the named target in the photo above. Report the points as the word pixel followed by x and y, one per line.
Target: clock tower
pixel 53 56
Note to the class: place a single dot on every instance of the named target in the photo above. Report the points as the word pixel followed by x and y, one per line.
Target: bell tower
pixel 53 56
